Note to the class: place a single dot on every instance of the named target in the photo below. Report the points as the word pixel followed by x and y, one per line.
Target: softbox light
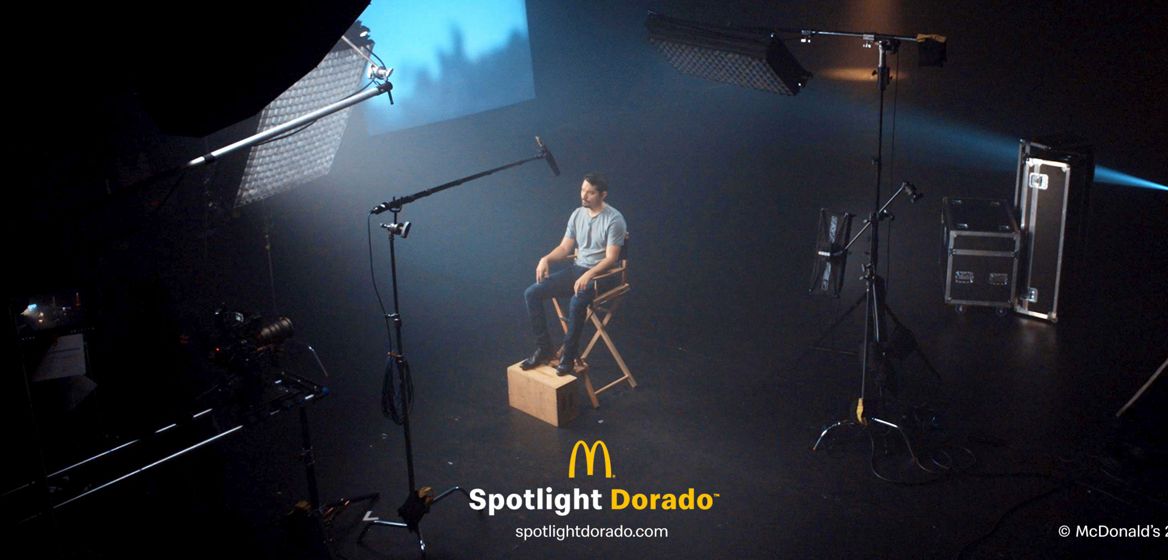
pixel 745 57
pixel 299 157
pixel 200 66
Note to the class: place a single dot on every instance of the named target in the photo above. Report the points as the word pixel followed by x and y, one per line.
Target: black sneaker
pixel 538 358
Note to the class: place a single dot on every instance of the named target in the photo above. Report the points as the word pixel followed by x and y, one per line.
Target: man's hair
pixel 597 181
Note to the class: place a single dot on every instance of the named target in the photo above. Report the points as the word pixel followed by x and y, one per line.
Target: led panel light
pixel 751 58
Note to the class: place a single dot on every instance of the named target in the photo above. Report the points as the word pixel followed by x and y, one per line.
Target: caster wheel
pixel 959 308
pixel 1000 311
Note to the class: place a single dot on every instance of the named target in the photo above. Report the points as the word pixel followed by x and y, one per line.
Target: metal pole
pixel 290 125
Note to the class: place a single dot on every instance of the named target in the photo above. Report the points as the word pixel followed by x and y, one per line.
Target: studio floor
pixel 1014 437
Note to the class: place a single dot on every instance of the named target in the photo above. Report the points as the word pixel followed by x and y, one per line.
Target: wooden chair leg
pixel 615 354
pixel 588 388
pixel 560 315
pixel 601 334
pixel 596 335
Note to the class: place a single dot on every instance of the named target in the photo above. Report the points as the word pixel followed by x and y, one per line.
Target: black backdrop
pixel 720 186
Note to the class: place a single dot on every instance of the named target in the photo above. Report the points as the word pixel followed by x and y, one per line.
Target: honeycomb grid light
pixel 283 163
pixel 750 58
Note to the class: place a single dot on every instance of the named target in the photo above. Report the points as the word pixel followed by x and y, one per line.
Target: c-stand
pixel 875 330
pixel 875 307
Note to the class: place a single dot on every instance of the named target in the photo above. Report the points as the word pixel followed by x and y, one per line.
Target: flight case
pixel 1052 195
pixel 981 244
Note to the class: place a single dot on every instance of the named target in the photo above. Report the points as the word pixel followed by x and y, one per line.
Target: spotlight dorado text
pixel 564 503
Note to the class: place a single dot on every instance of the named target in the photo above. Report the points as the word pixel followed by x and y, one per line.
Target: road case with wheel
pixel 981 246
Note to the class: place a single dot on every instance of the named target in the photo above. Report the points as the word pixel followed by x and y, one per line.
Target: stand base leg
pixel 373 521
pixel 450 491
pixel 871 419
pixel 825 431
pixel 330 511
pixel 903 436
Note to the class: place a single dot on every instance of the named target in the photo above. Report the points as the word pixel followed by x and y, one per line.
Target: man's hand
pixel 582 282
pixel 558 254
pixel 541 270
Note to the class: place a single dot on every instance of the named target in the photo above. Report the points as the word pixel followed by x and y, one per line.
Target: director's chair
pixel 610 287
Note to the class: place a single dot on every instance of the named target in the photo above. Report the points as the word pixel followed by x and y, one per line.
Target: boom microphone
pixel 547 155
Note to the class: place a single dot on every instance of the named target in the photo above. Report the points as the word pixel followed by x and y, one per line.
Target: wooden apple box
pixel 543 394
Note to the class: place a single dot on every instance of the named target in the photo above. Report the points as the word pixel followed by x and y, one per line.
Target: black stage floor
pixel 1015 436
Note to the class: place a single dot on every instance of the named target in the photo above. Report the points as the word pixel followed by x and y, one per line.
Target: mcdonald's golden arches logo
pixel 590 458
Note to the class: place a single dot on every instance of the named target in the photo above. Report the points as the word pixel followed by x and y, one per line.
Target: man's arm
pixel 560 253
pixel 611 255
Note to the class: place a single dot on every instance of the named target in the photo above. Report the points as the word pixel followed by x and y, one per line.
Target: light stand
pixel 875 307
pixel 838 256
pixel 397 380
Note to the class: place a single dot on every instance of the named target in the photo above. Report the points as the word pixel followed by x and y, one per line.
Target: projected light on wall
pixel 451 58
pixel 976 147
pixel 1109 175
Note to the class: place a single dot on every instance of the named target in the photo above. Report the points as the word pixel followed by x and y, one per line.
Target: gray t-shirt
pixel 593 234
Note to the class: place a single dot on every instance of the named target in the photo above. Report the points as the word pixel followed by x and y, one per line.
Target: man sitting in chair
pixel 596 231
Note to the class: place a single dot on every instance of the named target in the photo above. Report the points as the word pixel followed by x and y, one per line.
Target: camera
pixel 242 337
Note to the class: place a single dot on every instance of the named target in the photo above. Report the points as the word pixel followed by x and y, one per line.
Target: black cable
pixel 182 173
pixel 288 134
pixel 373 277
pixel 1095 488
pixel 397 391
pixel 876 472
pixel 965 470
pixel 1006 514
pixel 1066 483
pixel 941 475
pixel 209 204
pixel 944 463
pixel 1063 483
pixel 948 466
pixel 134 227
pixel 268 251
pixel 888 261
pixel 892 171
pixel 397 384
pixel 173 187
pixel 379 61
pixel 951 466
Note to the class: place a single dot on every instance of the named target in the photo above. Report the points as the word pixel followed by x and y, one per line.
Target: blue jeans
pixel 559 284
